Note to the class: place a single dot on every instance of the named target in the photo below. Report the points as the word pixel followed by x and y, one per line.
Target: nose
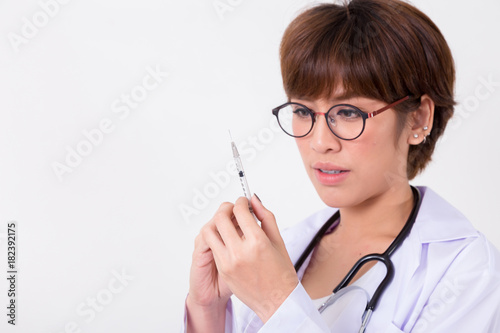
pixel 322 139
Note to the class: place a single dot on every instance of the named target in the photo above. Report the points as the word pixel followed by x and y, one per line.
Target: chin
pixel 337 197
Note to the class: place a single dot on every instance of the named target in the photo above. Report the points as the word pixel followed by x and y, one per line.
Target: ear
pixel 421 121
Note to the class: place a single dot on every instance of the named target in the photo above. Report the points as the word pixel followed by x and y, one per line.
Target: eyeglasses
pixel 346 121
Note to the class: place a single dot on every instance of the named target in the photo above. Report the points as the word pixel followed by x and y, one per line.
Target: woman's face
pixel 370 166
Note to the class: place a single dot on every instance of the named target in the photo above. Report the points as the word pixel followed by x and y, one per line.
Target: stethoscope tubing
pixel 384 257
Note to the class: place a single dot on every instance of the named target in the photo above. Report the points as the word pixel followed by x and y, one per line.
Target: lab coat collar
pixel 439 221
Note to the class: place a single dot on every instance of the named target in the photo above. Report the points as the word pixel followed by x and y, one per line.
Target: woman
pixel 370 87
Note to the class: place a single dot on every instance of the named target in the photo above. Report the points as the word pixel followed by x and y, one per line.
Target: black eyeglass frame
pixel 363 115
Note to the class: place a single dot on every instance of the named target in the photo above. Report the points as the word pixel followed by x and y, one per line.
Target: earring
pixel 426 128
pixel 425 138
pixel 415 136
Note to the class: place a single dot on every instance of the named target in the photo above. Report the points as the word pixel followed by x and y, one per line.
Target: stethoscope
pixel 384 258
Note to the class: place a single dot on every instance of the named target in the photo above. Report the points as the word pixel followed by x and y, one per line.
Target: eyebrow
pixel 333 99
pixel 337 100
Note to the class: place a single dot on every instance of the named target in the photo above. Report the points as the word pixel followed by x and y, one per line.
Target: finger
pixel 246 220
pixel 237 227
pixel 225 225
pixel 214 241
pixel 267 219
pixel 200 246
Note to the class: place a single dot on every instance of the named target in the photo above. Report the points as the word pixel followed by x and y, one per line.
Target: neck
pixel 381 216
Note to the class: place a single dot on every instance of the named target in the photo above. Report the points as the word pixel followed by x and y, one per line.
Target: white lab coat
pixel 447 279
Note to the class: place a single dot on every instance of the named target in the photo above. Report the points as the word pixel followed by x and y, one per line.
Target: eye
pixel 347 113
pixel 301 112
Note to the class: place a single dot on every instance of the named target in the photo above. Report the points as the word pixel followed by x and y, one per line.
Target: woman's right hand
pixel 208 293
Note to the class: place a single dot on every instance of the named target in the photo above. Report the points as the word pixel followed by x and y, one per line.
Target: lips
pixel 329 167
pixel 330 174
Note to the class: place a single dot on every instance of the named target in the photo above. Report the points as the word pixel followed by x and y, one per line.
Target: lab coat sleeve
pixel 467 298
pixel 296 314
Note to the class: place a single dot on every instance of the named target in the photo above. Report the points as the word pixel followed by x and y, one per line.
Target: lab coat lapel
pixel 437 222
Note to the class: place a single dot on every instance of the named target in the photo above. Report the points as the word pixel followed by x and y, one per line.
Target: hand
pixel 252 260
pixel 208 293
pixel 206 288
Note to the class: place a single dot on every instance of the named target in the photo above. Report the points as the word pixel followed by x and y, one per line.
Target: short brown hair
pixel 381 49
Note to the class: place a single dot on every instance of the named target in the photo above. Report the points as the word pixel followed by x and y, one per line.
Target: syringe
pixel 241 175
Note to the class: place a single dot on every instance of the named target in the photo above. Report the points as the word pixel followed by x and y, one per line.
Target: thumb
pixel 267 219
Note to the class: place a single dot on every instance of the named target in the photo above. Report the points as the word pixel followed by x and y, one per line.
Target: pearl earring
pixel 426 128
pixel 415 136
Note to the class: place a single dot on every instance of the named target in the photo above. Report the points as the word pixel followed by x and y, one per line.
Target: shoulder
pixel 444 237
pixel 444 246
pixel 446 270
pixel 459 286
pixel 438 222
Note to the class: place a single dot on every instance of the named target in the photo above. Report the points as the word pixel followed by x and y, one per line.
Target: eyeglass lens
pixel 343 120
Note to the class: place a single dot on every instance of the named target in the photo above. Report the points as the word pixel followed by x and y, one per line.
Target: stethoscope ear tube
pixel 366 318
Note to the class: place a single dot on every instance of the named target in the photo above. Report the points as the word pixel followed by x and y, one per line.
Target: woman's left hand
pixel 252 261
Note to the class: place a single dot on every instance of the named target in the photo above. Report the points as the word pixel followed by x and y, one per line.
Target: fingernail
pixel 257 197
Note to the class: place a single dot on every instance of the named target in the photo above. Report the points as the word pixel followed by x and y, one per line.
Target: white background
pixel 119 210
